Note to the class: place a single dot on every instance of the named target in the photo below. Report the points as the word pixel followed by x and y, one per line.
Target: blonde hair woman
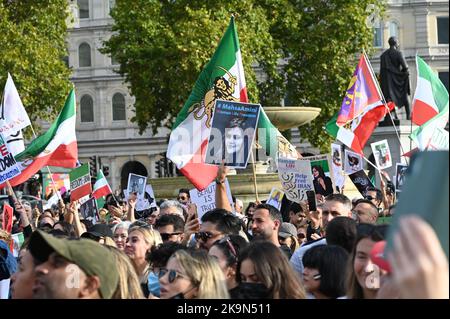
pixel 192 274
pixel 140 241
pixel 128 286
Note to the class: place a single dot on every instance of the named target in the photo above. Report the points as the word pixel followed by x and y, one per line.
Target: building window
pixel 442 28
pixel 378 35
pixel 118 105
pixel 83 7
pixel 87 109
pixel 443 76
pixel 114 60
pixel 393 29
pixel 84 55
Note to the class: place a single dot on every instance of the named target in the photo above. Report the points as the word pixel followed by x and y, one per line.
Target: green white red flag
pixel 80 182
pixel 101 186
pixel 56 147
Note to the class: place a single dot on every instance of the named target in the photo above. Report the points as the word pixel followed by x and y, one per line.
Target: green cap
pixel 90 256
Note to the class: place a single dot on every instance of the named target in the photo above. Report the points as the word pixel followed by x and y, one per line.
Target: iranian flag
pixel 222 78
pixel 430 105
pixel 80 182
pixel 56 147
pixel 358 133
pixel 101 186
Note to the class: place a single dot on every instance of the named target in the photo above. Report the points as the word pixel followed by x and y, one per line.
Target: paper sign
pixel 382 154
pixel 361 181
pixel 148 201
pixel 232 133
pixel 206 200
pixel 275 198
pixel 338 165
pixel 296 178
pixel 51 201
pixel 439 140
pixel 322 174
pixel 136 184
pixel 7 218
pixel 80 182
pixel 89 210
pixel 8 166
pixel 352 162
pixel 400 173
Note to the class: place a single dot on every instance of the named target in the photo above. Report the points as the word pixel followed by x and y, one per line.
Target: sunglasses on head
pixel 230 245
pixel 173 274
pixel 166 236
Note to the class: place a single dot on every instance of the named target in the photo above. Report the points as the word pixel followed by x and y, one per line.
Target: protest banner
pixel 361 181
pixel 296 178
pixel 232 133
pixel 323 178
pixel 89 210
pixel 400 173
pixel 353 162
pixel 205 200
pixel 7 218
pixel 337 165
pixel 382 154
pixel 275 198
pixel 8 165
pixel 136 184
pixel 80 182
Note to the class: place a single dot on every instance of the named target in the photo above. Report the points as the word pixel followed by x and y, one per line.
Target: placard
pixel 89 210
pixel 382 154
pixel 296 178
pixel 400 173
pixel 353 162
pixel 361 181
pixel 275 198
pixel 206 200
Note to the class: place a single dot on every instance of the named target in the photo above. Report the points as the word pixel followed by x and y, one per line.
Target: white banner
pixel 206 200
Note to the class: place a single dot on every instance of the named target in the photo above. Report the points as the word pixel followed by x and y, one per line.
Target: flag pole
pixel 48 168
pixel 254 175
pixel 384 100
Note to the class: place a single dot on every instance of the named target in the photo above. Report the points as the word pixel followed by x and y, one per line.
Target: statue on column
pixel 394 77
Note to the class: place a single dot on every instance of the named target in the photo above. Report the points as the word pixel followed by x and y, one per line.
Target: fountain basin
pixel 288 117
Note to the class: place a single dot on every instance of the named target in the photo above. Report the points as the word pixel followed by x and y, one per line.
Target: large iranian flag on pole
pixel 56 147
pixel 222 78
pixel 430 105
pixel 101 186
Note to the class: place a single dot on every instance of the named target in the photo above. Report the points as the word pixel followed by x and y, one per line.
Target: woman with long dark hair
pixel 322 183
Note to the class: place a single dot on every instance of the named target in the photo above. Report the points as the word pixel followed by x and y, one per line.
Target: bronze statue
pixel 394 76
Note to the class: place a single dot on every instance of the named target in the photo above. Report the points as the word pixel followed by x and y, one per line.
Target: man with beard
pixel 266 224
pixel 72 269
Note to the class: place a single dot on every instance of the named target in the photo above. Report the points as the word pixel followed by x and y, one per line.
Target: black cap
pixel 99 230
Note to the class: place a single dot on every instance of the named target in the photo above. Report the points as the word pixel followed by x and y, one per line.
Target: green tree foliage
pixel 32 50
pixel 302 50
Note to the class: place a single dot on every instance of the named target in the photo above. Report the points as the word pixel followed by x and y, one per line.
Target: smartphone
pixel 311 196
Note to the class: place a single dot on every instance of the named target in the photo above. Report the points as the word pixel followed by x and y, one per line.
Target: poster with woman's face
pixel 136 184
pixel 322 173
pixel 400 176
pixel 352 162
pixel 338 165
pixel 275 198
pixel 232 133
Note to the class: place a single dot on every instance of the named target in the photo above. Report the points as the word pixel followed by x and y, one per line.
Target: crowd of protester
pixel 234 251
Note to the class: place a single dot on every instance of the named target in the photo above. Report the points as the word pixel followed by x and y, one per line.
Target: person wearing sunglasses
pixel 171 228
pixel 192 274
pixel 365 212
pixel 324 271
pixel 375 196
pixel 216 224
pixel 227 250
pixel 183 196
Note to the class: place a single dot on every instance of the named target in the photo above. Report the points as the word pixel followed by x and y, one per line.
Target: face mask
pixel 250 290
pixel 153 284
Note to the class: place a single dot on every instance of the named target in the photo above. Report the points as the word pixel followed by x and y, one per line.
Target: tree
pixel 32 50
pixel 301 50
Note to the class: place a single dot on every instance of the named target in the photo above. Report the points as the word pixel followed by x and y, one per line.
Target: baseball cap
pixel 99 230
pixel 93 258
pixel 287 230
